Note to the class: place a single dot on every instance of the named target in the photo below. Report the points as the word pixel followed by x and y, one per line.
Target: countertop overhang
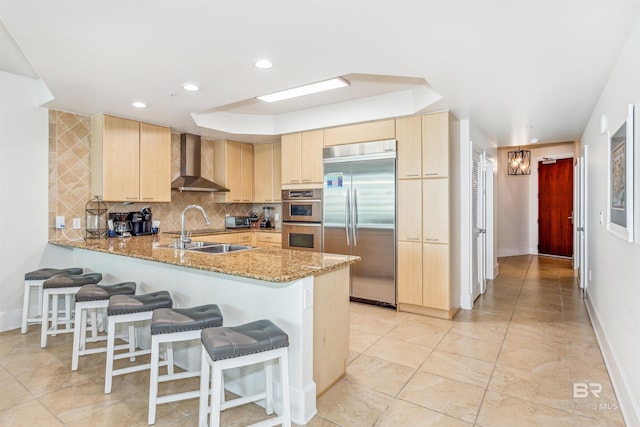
pixel 267 264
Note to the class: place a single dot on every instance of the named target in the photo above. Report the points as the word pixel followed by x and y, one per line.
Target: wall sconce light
pixel 519 162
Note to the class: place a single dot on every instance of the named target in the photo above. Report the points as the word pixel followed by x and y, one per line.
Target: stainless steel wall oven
pixel 302 219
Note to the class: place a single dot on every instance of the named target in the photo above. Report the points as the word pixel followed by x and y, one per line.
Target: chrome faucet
pixel 184 237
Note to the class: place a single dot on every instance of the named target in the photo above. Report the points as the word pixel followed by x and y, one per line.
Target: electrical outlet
pixel 60 222
pixel 76 223
pixel 308 298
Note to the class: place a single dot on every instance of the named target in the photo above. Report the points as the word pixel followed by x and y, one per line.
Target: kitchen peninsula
pixel 305 293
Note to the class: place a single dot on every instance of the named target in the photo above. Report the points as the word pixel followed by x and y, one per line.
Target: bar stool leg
pixel 45 319
pixel 268 376
pixel 25 307
pixel 153 383
pixel 78 336
pixel 205 377
pixel 216 398
pixel 284 381
pixel 111 337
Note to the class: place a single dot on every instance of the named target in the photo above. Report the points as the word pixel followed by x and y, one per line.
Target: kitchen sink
pixel 221 248
pixel 213 247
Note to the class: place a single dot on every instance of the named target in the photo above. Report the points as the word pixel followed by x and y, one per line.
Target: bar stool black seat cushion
pixel 255 337
pixel 72 280
pixel 168 320
pixel 47 273
pixel 104 292
pixel 127 304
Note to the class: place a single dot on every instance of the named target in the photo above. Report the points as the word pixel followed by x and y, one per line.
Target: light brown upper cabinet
pixel 423 146
pixel 302 159
pixel 233 168
pixel 435 145
pixel 409 146
pixel 360 132
pixel 267 172
pixel 130 161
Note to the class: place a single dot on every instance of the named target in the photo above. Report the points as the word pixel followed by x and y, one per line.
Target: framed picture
pixel 620 206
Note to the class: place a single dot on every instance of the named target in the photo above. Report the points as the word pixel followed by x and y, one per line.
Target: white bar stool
pixel 91 298
pixel 233 347
pixel 127 309
pixel 54 287
pixel 173 325
pixel 33 282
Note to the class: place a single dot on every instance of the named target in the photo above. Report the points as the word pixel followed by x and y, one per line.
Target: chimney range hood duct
pixel 190 178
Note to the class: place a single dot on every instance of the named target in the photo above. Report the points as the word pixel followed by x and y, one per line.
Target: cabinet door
pixel 121 159
pixel 435 145
pixel 234 172
pixel 311 157
pixel 263 172
pixel 410 210
pixel 291 144
pixel 435 210
pixel 410 273
pixel 246 175
pixel 360 132
pixel 244 238
pixel 277 171
pixel 435 276
pixel 409 139
pixel 155 163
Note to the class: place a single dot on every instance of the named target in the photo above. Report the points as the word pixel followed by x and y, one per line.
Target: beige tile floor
pixel 512 361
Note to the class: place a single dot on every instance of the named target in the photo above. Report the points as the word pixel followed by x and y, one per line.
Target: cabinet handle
pixel 306 180
pixel 131 198
pixel 294 181
pixel 148 198
pixel 412 238
pixel 431 174
pixel 236 200
pixel 412 175
pixel 431 240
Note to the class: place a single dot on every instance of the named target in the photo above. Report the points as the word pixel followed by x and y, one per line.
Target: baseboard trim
pixel 628 406
pixel 10 320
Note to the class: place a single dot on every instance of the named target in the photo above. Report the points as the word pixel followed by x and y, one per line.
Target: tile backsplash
pixel 70 176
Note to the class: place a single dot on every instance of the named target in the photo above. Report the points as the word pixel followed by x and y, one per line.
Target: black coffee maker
pixel 140 222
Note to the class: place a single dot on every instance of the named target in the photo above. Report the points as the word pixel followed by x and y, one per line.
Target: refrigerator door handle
pixel 354 218
pixel 347 208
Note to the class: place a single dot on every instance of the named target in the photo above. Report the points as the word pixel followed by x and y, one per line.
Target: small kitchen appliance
pixel 266 217
pixel 237 222
pixel 121 223
pixel 141 222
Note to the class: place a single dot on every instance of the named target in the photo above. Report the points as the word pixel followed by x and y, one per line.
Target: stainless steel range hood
pixel 190 178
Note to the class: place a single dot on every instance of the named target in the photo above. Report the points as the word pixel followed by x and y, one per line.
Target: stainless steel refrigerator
pixel 359 215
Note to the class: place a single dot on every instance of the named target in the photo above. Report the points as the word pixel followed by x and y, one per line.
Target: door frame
pixel 478 236
pixel 533 183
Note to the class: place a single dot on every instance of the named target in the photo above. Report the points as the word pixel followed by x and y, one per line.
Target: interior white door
pixel 580 219
pixel 477 225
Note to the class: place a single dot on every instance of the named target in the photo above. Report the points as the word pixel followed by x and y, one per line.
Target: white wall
pixel 516 211
pixel 24 153
pixel 613 291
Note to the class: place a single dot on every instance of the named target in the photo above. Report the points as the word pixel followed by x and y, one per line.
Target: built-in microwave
pixel 302 205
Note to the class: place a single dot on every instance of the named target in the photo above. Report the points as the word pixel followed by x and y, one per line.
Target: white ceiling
pixel 517 69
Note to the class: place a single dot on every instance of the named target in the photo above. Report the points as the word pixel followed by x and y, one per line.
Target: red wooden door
pixel 555 207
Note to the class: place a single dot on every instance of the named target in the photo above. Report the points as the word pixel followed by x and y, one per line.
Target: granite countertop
pixel 268 264
pixel 214 231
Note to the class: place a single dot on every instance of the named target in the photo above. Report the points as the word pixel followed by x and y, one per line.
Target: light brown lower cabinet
pixel 423 279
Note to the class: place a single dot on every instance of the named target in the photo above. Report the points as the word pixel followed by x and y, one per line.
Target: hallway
pixel 512 361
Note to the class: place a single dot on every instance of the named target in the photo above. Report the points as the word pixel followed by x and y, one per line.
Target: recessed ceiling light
pixel 190 87
pixel 322 86
pixel 264 64
pixel 533 140
pixel 139 104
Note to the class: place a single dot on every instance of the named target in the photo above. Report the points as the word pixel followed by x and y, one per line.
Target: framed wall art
pixel 620 201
